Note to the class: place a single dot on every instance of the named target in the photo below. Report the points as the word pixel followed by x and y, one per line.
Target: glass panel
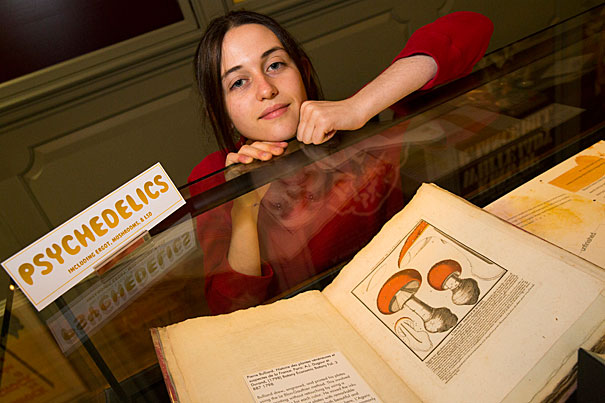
pixel 34 367
pixel 158 283
pixel 529 106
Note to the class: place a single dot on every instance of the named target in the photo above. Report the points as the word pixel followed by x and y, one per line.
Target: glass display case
pixel 525 108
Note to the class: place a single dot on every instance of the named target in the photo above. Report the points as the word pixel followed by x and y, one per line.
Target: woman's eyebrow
pixel 273 49
pixel 263 56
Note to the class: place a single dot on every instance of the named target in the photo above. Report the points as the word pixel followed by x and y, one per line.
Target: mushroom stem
pixel 435 319
pixel 420 308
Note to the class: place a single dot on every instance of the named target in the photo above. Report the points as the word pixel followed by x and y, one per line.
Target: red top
pixel 324 214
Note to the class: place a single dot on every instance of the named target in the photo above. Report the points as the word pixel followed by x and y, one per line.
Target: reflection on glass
pixel 34 369
pixel 156 284
pixel 116 290
pixel 308 222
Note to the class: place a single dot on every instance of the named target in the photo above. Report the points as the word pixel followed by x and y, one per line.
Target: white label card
pixel 60 259
pixel 326 379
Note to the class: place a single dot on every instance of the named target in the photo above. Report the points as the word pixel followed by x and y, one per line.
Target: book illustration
pixel 426 286
pixel 411 248
pixel 399 292
pixel 413 334
pixel 410 241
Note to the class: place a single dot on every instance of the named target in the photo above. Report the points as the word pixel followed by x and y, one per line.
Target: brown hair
pixel 207 66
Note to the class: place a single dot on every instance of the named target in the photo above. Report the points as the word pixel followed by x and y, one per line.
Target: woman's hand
pixel 258 150
pixel 319 120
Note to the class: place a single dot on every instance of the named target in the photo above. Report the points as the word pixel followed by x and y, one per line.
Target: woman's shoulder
pixel 455 41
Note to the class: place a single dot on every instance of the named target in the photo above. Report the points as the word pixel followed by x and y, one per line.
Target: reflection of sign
pixel 113 293
pixel 57 261
pixel 510 159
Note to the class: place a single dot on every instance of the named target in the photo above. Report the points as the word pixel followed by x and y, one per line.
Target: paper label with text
pixel 326 379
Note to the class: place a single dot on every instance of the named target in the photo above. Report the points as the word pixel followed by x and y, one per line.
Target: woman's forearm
pixel 395 83
pixel 320 119
pixel 244 250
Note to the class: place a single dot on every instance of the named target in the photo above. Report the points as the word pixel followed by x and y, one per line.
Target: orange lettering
pixel 97 227
pixel 133 204
pixel 110 217
pixel 122 210
pixel 39 262
pixel 153 195
pixel 161 183
pixel 67 248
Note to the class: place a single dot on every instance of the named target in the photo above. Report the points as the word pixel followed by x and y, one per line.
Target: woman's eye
pixel 275 65
pixel 237 84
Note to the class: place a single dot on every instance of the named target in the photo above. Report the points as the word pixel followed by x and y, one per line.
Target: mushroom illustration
pixel 416 232
pixel 413 334
pixel 445 275
pixel 399 291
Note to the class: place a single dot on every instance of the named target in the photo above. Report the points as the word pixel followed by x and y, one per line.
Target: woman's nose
pixel 265 89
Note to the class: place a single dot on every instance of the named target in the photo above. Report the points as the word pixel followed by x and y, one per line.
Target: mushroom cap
pixel 441 271
pixel 407 280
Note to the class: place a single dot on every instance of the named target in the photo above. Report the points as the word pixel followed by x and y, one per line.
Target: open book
pixel 447 303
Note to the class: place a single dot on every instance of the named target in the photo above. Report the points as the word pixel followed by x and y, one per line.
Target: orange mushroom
pixel 406 281
pixel 442 271
pixel 445 275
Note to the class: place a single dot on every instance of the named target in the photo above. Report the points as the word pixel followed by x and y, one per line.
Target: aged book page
pixel 462 305
pixel 211 358
pixel 565 205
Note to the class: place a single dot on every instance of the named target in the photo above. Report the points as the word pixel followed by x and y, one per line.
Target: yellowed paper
pixel 565 205
pixel 327 378
pixel 210 357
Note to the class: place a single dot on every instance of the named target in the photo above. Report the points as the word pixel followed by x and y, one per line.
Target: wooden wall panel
pixel 86 164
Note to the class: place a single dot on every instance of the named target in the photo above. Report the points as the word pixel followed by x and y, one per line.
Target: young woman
pixel 269 94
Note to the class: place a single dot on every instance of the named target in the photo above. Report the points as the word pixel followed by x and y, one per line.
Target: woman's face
pixel 262 86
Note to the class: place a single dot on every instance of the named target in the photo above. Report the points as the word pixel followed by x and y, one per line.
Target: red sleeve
pixel 456 41
pixel 212 163
pixel 226 289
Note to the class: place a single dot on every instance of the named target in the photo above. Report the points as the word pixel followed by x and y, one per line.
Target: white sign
pixel 59 260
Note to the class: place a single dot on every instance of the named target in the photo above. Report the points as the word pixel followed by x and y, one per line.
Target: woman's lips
pixel 274 111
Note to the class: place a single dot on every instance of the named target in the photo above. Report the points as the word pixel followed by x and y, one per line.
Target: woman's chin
pixel 274 136
pixel 282 131
pixel 283 135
